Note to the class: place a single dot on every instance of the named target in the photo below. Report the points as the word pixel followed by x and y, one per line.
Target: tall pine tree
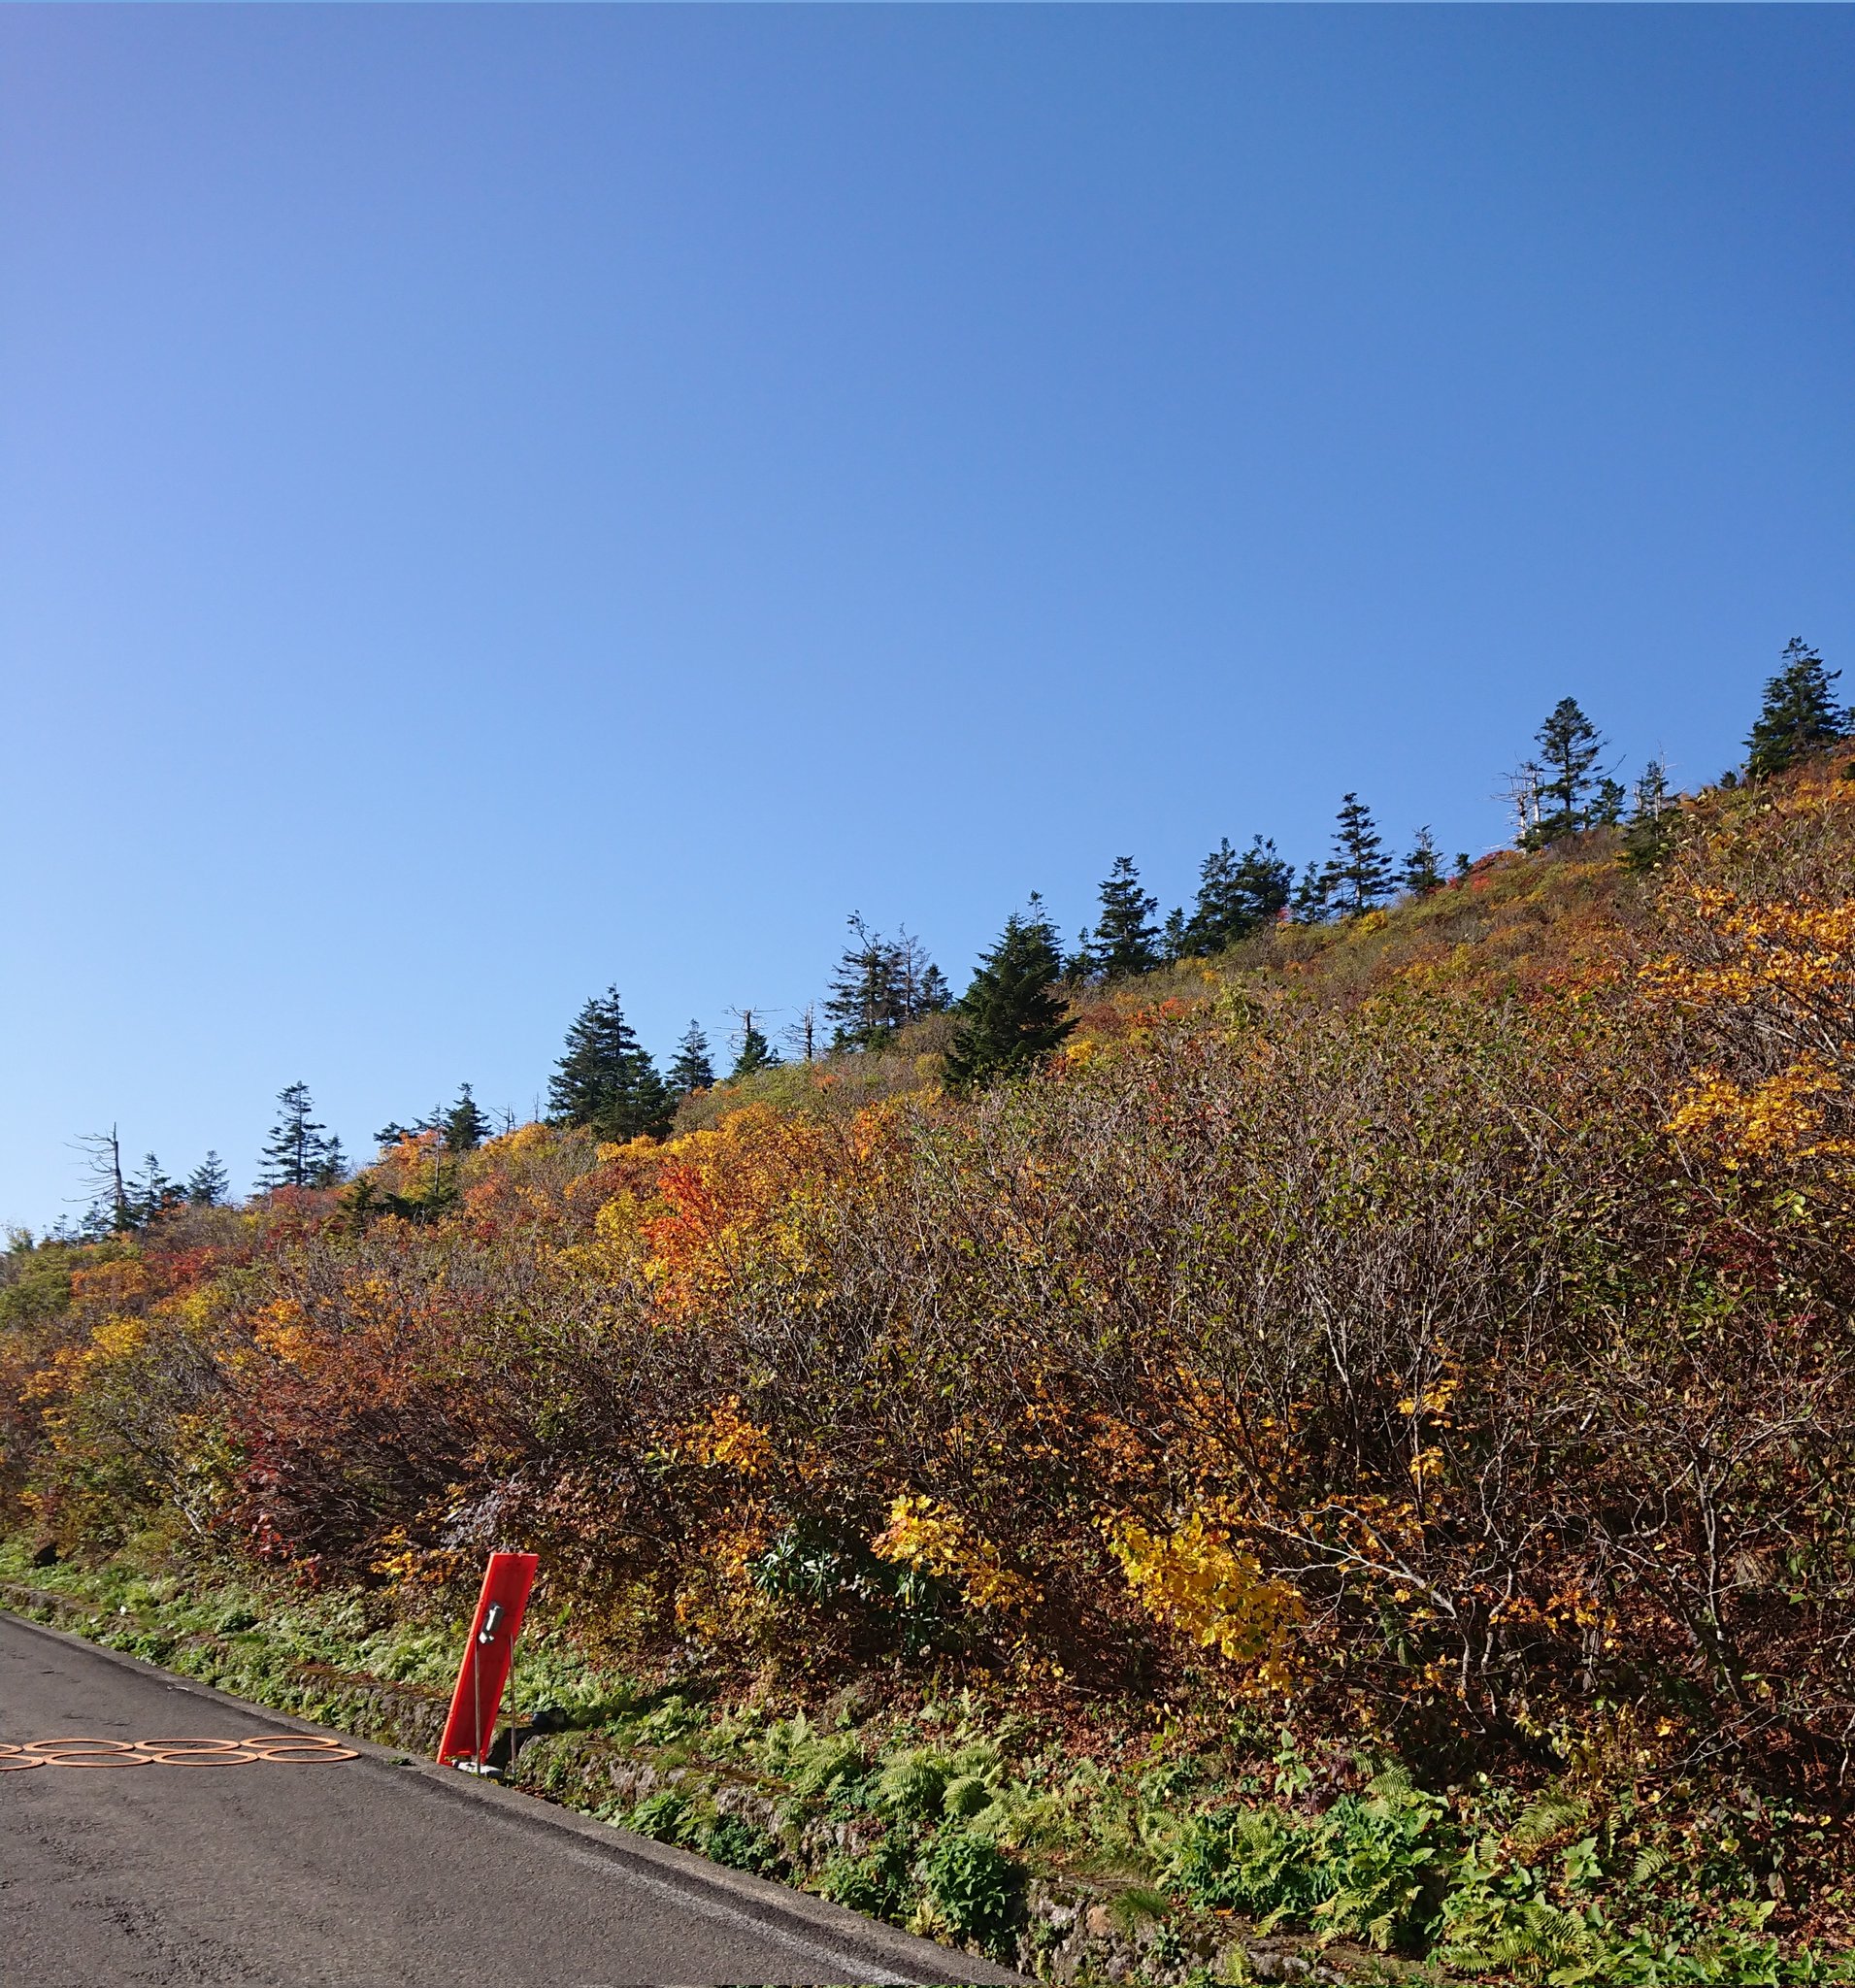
pixel 1237 895
pixel 1012 1017
pixel 209 1183
pixel 693 1069
pixel 880 986
pixel 1125 939
pixel 755 1052
pixel 1360 875
pixel 299 1152
pixel 1570 748
pixel 605 1079
pixel 1799 713
pixel 1423 867
pixel 151 1193
pixel 1313 903
pixel 465 1126
pixel 1652 819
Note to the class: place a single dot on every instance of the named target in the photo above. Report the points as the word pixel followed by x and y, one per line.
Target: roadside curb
pixel 833 1933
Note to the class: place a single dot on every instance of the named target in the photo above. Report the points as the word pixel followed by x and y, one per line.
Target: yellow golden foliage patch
pixel 934 1538
pixel 1215 1593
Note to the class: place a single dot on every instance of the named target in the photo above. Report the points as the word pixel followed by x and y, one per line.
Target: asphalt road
pixel 359 1872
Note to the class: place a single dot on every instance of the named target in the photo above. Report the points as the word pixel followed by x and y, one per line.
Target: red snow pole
pixel 484 1675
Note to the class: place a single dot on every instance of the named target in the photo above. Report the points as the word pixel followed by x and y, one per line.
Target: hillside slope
pixel 1424 1339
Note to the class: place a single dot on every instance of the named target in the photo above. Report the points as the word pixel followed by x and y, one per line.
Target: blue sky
pixel 499 501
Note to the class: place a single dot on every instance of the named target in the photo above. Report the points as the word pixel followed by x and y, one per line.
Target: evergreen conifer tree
pixel 881 984
pixel 297 1151
pixel 1799 713
pixel 1651 798
pixel 693 1070
pixel 1568 749
pixel 1360 875
pixel 1652 819
pixel 465 1126
pixel 1126 939
pixel 755 1052
pixel 1237 895
pixel 1423 867
pixel 151 1193
pixel 1012 1017
pixel 863 997
pixel 331 1169
pixel 1313 903
pixel 209 1183
pixel 605 1079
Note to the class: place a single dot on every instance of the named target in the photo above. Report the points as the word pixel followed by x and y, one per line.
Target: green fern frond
pixel 1549 1815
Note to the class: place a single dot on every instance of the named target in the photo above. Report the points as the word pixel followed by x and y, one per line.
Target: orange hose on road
pixel 276 1749
pixel 87 1753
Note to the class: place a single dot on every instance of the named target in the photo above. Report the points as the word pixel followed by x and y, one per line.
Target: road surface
pixel 360 1872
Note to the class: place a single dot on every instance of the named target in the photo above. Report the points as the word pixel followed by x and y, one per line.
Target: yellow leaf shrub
pixel 1782 1118
pixel 1195 1580
pixel 729 1439
pixel 933 1539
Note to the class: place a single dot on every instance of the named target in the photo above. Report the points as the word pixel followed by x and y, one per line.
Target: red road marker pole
pixel 484 1675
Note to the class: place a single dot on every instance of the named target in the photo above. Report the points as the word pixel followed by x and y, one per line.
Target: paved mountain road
pixel 363 1874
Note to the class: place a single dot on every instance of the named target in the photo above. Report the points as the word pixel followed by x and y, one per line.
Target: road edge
pixel 776 1905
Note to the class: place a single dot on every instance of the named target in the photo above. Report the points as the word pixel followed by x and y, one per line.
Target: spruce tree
pixel 692 1071
pixel 465 1126
pixel 604 1080
pixel 296 1153
pixel 881 985
pixel 331 1169
pixel 150 1193
pixel 755 1053
pixel 1652 821
pixel 1126 939
pixel 1423 867
pixel 209 1183
pixel 1237 895
pixel 1568 749
pixel 1652 799
pixel 863 997
pixel 1360 875
pixel 934 996
pixel 1313 903
pixel 1012 1017
pixel 1799 713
